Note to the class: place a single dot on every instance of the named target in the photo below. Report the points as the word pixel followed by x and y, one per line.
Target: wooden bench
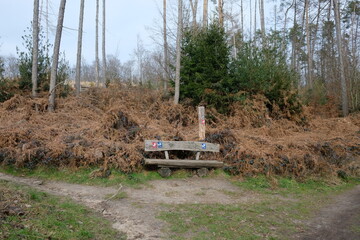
pixel 166 146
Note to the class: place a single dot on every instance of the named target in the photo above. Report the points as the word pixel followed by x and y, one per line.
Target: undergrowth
pixel 29 214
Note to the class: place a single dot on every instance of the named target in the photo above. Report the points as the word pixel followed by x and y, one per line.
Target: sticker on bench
pixel 203 145
pixel 203 121
pixel 159 145
pixel 154 144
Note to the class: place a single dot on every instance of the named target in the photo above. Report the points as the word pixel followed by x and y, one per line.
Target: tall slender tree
pixel 79 48
pixel 344 97
pixel 262 19
pixel 35 49
pixel 194 8
pixel 205 13
pixel 178 52
pixel 97 78
pixel 103 45
pixel 56 53
pixel 221 12
pixel 166 51
pixel 308 44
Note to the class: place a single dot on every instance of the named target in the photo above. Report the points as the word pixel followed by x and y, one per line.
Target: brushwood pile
pixel 107 127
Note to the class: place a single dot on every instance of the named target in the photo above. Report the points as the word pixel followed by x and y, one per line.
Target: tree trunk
pixel 97 79
pixel 103 46
pixel 194 7
pixel 166 56
pixel 308 45
pixel 242 21
pixel 55 62
pixel 344 100
pixel 221 12
pixel 262 20
pixel 205 14
pixel 79 48
pixel 35 50
pixel 178 53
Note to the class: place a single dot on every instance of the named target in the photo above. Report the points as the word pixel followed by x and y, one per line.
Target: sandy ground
pixel 136 214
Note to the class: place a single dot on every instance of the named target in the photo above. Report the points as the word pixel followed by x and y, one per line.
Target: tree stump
pixel 164 172
pixel 202 172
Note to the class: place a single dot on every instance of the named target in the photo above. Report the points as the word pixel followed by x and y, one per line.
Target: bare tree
pixel 56 56
pixel 178 53
pixel 97 44
pixel 103 46
pixel 35 50
pixel 205 13
pixel 344 100
pixel 166 51
pixel 79 48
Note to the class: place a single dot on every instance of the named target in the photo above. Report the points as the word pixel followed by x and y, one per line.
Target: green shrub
pixel 25 61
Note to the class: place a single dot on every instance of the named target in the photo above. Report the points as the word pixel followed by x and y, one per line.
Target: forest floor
pixel 136 211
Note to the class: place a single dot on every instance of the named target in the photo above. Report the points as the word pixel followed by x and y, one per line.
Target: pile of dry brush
pixel 107 127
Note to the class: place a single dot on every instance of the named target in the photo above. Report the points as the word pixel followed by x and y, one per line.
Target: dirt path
pixel 338 220
pixel 136 214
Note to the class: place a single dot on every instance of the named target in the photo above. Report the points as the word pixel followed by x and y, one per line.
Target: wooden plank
pixel 156 145
pixel 184 163
pixel 201 123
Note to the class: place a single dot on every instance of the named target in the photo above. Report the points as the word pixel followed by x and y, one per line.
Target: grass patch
pixel 117 196
pixel 277 212
pixel 30 214
pixel 82 176
pixel 291 187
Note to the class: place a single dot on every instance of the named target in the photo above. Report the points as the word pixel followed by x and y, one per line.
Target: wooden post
pixel 201 123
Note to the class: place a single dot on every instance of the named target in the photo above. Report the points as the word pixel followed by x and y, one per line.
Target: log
pixel 184 163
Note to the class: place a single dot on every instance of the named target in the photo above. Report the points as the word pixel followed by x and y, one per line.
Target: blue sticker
pixel 203 145
pixel 159 145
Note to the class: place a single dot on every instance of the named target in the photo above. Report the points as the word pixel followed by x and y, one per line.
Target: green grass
pixel 82 176
pixel 276 213
pixel 46 216
pixel 117 196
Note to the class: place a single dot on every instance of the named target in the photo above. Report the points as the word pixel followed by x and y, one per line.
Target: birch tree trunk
pixel 35 50
pixel 79 48
pixel 166 56
pixel 178 53
pixel 55 62
pixel 103 46
pixel 97 79
pixel 344 100
pixel 205 13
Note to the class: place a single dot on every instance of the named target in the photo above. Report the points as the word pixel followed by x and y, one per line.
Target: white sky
pixel 125 20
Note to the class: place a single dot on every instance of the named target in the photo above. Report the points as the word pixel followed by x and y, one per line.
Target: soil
pixel 337 220
pixel 135 215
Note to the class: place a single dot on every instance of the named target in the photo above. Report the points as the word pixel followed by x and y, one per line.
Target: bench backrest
pixel 157 145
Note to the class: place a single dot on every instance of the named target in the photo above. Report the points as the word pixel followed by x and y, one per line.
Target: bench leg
pixel 164 172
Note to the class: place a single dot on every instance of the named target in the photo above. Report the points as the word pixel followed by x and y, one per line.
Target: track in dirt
pixel 136 214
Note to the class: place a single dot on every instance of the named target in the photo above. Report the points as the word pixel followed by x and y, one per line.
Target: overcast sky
pixel 125 20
